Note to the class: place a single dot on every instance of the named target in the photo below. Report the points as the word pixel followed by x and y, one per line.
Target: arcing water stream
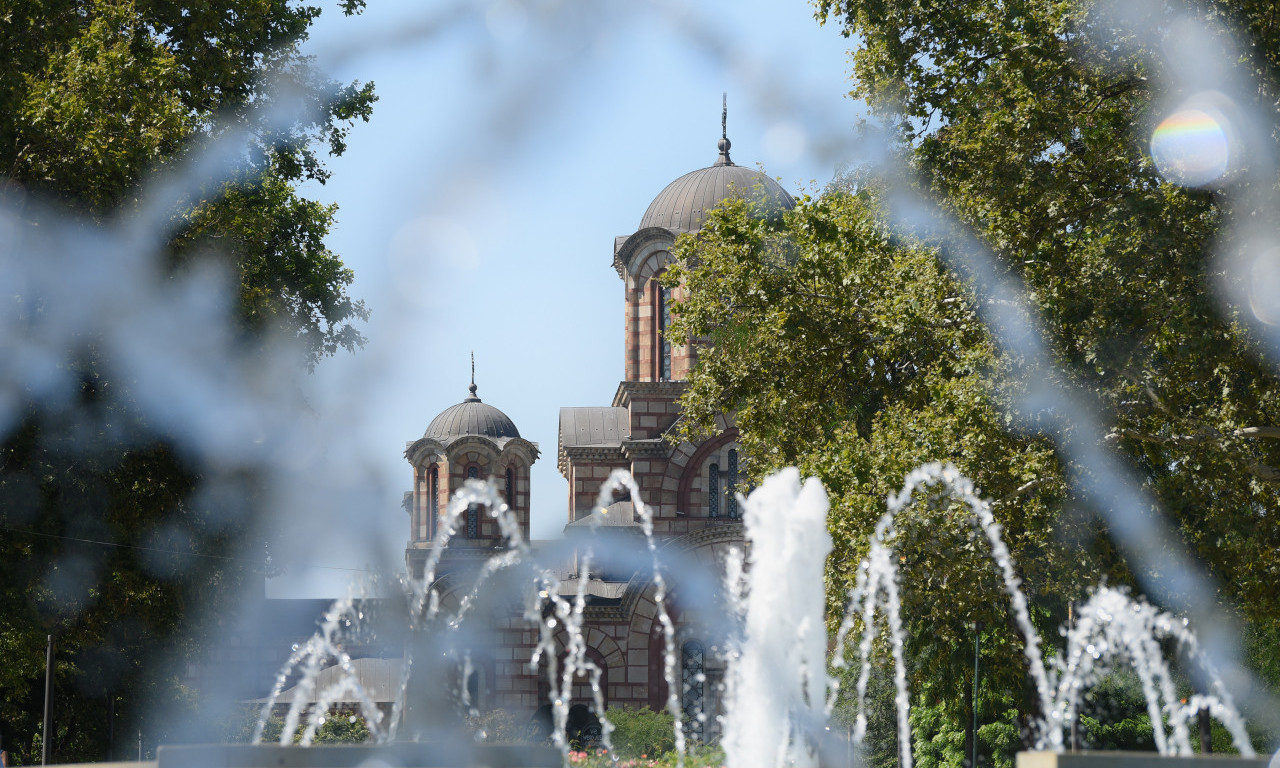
pixel 778 693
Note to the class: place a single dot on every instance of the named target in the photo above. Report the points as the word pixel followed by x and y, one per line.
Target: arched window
pixel 693 679
pixel 511 489
pixel 476 686
pixel 662 316
pixel 731 483
pixel 473 510
pixel 713 490
pixel 433 500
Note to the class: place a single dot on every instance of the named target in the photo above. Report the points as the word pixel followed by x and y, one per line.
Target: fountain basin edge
pixel 1135 760
pixel 394 755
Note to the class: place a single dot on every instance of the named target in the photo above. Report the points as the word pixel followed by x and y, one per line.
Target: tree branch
pixel 1251 433
pixel 1024 489
pixel 1265 473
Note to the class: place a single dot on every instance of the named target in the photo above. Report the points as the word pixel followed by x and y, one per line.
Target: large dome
pixel 471 417
pixel 684 204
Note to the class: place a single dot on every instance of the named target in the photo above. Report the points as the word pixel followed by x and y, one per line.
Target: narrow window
pixel 713 490
pixel 511 489
pixel 731 502
pixel 693 679
pixel 664 320
pixel 433 500
pixel 473 510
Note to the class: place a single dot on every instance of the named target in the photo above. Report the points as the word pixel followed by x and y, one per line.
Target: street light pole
pixel 48 703
pixel 977 642
pixel 1075 711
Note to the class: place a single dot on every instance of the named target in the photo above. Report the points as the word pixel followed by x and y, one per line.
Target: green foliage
pixel 343 728
pixel 880 740
pixel 1114 715
pixel 339 727
pixel 641 731
pixel 898 371
pixel 696 757
pixel 941 736
pixel 851 351
pixel 497 726
pixel 1029 122
pixel 938 740
pixel 84 125
pixel 96 100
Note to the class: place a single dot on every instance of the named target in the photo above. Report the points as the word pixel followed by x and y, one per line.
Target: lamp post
pixel 47 730
pixel 1075 711
pixel 977 642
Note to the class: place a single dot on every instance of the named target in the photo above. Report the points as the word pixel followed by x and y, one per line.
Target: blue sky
pixel 510 144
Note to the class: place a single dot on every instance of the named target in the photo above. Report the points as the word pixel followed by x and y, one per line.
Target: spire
pixel 472 388
pixel 724 143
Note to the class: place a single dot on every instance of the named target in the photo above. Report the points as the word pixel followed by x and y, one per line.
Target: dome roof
pixel 683 205
pixel 471 417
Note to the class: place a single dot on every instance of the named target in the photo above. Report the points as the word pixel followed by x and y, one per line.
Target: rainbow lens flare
pixel 1192 147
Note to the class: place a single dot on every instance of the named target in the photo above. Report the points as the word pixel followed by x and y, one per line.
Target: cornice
pixel 669 390
pixel 613 453
pixel 647 449
pixel 633 244
pixel 415 450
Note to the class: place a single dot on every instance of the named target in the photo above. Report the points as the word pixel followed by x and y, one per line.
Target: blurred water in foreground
pixel 234 409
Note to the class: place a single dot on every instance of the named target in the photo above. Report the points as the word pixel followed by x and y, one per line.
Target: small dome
pixel 683 205
pixel 471 417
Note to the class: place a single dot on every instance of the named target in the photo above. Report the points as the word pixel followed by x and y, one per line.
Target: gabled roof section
pixel 593 426
pixel 597 432
pixel 619 514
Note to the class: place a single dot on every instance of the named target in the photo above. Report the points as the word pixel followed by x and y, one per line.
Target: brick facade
pixel 689 488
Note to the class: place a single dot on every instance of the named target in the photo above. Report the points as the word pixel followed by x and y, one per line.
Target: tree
pixel 856 356
pixel 96 99
pixel 1029 122
pixel 847 348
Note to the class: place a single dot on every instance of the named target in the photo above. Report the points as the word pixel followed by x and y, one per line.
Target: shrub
pixel 641 732
pixel 497 726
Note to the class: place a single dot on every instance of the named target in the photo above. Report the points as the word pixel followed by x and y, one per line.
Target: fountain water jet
pixel 778 681
pixel 779 693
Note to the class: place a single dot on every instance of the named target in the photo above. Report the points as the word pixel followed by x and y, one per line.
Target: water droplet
pixel 295 646
pixel 551 623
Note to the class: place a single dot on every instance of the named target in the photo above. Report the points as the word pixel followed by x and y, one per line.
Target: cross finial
pixel 724 131
pixel 472 388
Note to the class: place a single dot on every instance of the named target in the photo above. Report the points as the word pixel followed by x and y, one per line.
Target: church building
pixel 691 489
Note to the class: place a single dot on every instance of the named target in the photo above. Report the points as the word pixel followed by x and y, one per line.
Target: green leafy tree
pixel 851 351
pixel 857 357
pixel 1029 122
pixel 96 101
